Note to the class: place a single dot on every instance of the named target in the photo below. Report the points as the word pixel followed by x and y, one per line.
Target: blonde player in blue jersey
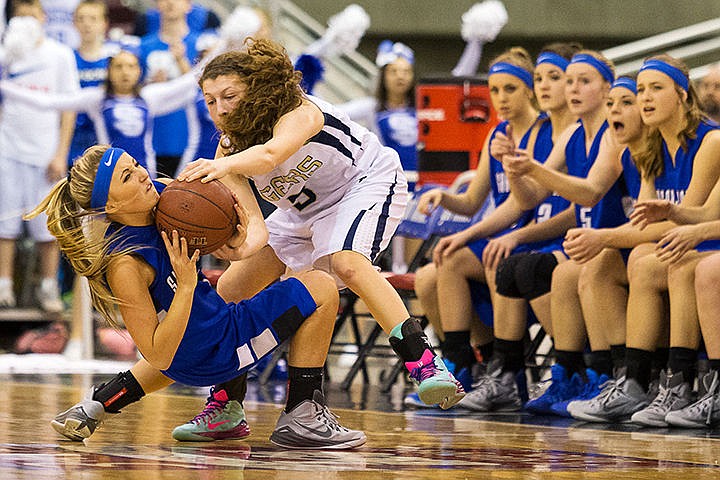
pixel 184 330
pixel 340 194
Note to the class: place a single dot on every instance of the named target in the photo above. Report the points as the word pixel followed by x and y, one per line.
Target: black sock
pixel 683 360
pixel 639 363
pixel 572 362
pixel 414 342
pixel 714 364
pixel 617 352
pixel 302 383
pixel 119 392
pixel 659 362
pixel 486 350
pixel 457 349
pixel 601 361
pixel 510 353
pixel 236 388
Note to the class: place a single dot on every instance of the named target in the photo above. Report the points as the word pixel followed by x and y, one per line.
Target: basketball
pixel 202 213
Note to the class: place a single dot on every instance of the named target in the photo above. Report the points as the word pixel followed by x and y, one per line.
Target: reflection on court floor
pixel 409 445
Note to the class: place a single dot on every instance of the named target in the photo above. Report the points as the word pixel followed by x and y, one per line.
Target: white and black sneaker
pixel 79 421
pixel 311 425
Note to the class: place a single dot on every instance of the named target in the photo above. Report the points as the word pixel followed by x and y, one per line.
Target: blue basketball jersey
pixel 609 211
pixel 221 339
pixel 553 204
pixel 677 171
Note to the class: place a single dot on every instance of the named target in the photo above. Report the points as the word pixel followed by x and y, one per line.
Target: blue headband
pixel 554 58
pixel 625 82
pixel 510 69
pixel 675 73
pixel 101 187
pixel 601 67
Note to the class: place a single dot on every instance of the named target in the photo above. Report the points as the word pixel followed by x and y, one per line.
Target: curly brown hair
pixel 272 90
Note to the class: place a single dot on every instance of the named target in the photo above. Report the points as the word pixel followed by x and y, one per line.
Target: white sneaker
pixel 7 296
pixel 48 296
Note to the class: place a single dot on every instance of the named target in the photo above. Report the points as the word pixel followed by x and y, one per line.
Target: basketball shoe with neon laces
pixel 221 419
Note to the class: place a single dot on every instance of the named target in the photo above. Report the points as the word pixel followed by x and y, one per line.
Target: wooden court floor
pixel 136 444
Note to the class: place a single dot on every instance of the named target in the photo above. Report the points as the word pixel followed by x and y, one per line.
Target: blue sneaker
pixel 562 388
pixel 590 390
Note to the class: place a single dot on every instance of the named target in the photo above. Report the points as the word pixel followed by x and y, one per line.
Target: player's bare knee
pixel 681 273
pixel 426 280
pixel 321 286
pixel 707 274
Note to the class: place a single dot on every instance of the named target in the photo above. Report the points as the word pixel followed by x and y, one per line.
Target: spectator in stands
pixel 709 93
pixel 120 109
pixel 164 55
pixel 30 162
pixel 59 21
pixel 199 19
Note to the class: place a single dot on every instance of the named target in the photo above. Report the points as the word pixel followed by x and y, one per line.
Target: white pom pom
pixel 243 22
pixel 22 36
pixel 162 61
pixel 345 29
pixel 484 21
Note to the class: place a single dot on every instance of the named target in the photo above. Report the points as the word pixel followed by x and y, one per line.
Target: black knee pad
pixel 533 274
pixel 505 282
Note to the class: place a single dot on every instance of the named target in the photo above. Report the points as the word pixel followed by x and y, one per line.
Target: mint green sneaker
pixel 436 385
pixel 221 419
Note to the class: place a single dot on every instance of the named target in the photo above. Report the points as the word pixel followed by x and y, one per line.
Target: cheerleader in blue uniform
pixel 680 157
pixel 184 330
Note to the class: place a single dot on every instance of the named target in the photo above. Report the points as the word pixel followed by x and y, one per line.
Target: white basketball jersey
pixel 323 170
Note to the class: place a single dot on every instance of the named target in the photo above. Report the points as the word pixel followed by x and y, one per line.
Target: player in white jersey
pixel 340 194
pixel 29 162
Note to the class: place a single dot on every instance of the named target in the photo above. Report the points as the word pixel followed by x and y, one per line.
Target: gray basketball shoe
pixel 675 393
pixel 79 421
pixel 616 403
pixel 494 391
pixel 311 425
pixel 706 411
